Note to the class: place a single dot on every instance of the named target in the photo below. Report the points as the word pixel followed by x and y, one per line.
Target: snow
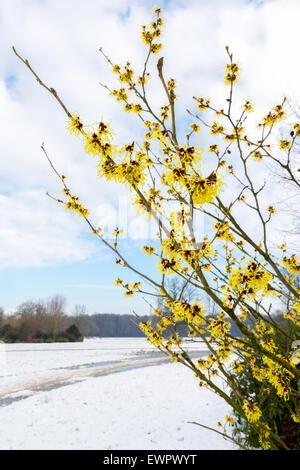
pixel 100 406
pixel 32 363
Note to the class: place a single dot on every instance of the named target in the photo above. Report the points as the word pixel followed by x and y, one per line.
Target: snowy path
pixel 28 368
pixel 11 393
pixel 148 408
pixel 103 394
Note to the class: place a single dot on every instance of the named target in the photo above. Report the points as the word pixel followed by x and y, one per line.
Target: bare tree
pixel 56 313
pixel 1 316
pixel 81 319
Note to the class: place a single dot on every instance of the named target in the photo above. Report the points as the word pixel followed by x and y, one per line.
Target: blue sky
pixel 43 250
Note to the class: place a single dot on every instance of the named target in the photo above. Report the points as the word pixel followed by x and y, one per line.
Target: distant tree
pixel 55 313
pixel 73 333
pixel 1 316
pixel 79 310
pixel 24 322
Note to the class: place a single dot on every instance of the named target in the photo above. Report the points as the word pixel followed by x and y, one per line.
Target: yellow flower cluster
pixel 296 129
pixel 271 210
pixel 281 382
pixel 285 144
pixel 73 204
pixel 74 124
pixel 133 108
pixel 165 112
pixel 248 107
pixel 204 190
pixel 232 73
pixel 237 366
pixel 214 149
pixel 274 116
pixel 223 232
pixel 192 314
pixel 294 314
pixel 225 346
pixel 259 373
pixel 202 103
pixel 195 127
pixel 148 250
pixel 257 156
pixel 235 135
pixel 252 411
pixel 130 289
pixel 219 327
pixel 264 433
pixel 131 170
pixel 152 202
pixel 182 159
pixel 152 335
pixel 292 264
pixel 126 74
pixel 120 95
pixel 217 128
pixel 97 142
pixel 188 156
pixel 250 280
pixel 230 420
pixel 152 32
pixel 167 266
pixel 177 220
pixel 179 250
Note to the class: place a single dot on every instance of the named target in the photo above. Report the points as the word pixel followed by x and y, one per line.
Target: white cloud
pixel 35 232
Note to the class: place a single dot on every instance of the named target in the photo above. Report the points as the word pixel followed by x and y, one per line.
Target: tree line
pixel 39 321
pixel 47 321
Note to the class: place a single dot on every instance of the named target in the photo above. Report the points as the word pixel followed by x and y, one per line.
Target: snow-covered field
pixel 102 394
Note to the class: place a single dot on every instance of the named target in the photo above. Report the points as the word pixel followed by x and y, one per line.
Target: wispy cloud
pixel 91 286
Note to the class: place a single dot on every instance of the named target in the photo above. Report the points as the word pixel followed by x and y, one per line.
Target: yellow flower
pixel 195 127
pixel 263 437
pixel 204 190
pixel 271 210
pixel 214 149
pixel 252 411
pixel 219 328
pixel 232 73
pixel 296 128
pixel 296 417
pixel 230 420
pixel 74 124
pixel 292 264
pixel 285 144
pixel 133 108
pixel 217 129
pixel 257 156
pixel 223 232
pixel 120 95
pixel 202 103
pixel 248 107
pixel 148 250
pixel 294 314
pixel 237 366
pixel 250 280
pixel 274 116
pixel 74 204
